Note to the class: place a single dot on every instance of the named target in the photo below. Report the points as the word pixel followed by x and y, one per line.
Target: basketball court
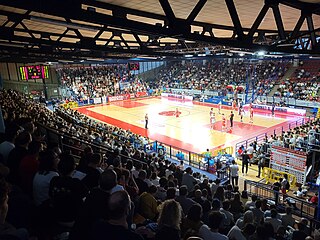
pixel 188 128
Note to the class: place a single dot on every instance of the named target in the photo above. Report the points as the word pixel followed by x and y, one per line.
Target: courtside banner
pixel 141 94
pixel 290 111
pixel 121 97
pixel 177 96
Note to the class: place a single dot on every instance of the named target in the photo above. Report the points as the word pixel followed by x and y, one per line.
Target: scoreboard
pixel 34 72
pixel 133 66
pixel 289 161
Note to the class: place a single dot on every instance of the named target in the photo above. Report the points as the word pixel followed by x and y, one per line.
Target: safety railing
pixel 277 131
pixel 301 207
pixel 75 145
pixel 195 160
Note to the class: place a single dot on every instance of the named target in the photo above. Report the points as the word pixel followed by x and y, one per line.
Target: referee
pixel 146 118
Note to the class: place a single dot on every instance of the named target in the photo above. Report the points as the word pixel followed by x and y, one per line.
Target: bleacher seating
pixel 198 210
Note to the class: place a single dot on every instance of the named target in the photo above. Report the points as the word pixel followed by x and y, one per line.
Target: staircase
pixel 289 73
pixel 274 89
pixel 286 76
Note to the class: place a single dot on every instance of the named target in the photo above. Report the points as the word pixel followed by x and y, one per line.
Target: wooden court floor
pixel 190 129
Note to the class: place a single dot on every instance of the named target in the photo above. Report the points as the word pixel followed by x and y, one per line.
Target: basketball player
pixel 234 105
pixel 224 122
pixel 146 118
pixel 211 112
pixel 251 115
pixel 212 119
pixel 241 113
pixel 177 112
pixel 219 107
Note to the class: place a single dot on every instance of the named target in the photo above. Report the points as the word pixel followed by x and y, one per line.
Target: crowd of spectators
pixel 43 192
pixel 303 84
pixel 99 81
pixel 307 90
pixel 216 75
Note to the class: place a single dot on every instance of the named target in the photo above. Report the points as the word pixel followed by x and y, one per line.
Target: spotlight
pixel 261 53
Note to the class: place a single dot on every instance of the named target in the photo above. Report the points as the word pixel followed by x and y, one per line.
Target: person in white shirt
pixel 212 231
pixel 48 162
pixel 234 173
pixel 8 144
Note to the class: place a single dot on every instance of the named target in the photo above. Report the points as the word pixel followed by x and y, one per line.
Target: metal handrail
pixel 302 207
pixel 258 138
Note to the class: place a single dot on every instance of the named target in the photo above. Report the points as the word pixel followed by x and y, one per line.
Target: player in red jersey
pixel 224 122
pixel 234 105
pixel 251 115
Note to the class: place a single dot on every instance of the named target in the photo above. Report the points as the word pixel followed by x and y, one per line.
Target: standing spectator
pixel 188 179
pixel 261 162
pixel 245 162
pixel 234 169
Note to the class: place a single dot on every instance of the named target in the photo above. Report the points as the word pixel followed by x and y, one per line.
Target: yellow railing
pixel 70 105
pixel 272 175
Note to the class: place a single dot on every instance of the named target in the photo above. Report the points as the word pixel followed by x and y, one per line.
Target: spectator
pixel 192 222
pixel 169 221
pixel 116 227
pixel 91 180
pixel 7 231
pixel 275 222
pixel 48 163
pixel 188 179
pixel 148 204
pixel 142 185
pixel 66 193
pixel 212 230
pixel 287 219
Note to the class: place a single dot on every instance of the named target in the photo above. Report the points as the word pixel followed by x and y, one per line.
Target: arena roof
pixel 71 30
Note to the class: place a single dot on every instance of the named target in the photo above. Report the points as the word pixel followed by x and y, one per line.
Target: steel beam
pixel 278 19
pixel 311 29
pixel 194 13
pixel 258 20
pixel 235 19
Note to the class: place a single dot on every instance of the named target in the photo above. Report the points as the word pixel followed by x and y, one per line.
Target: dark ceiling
pixel 70 30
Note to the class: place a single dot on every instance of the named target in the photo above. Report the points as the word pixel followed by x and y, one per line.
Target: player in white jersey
pixel 241 112
pixel 212 120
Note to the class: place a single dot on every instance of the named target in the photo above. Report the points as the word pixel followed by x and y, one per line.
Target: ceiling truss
pixel 84 32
